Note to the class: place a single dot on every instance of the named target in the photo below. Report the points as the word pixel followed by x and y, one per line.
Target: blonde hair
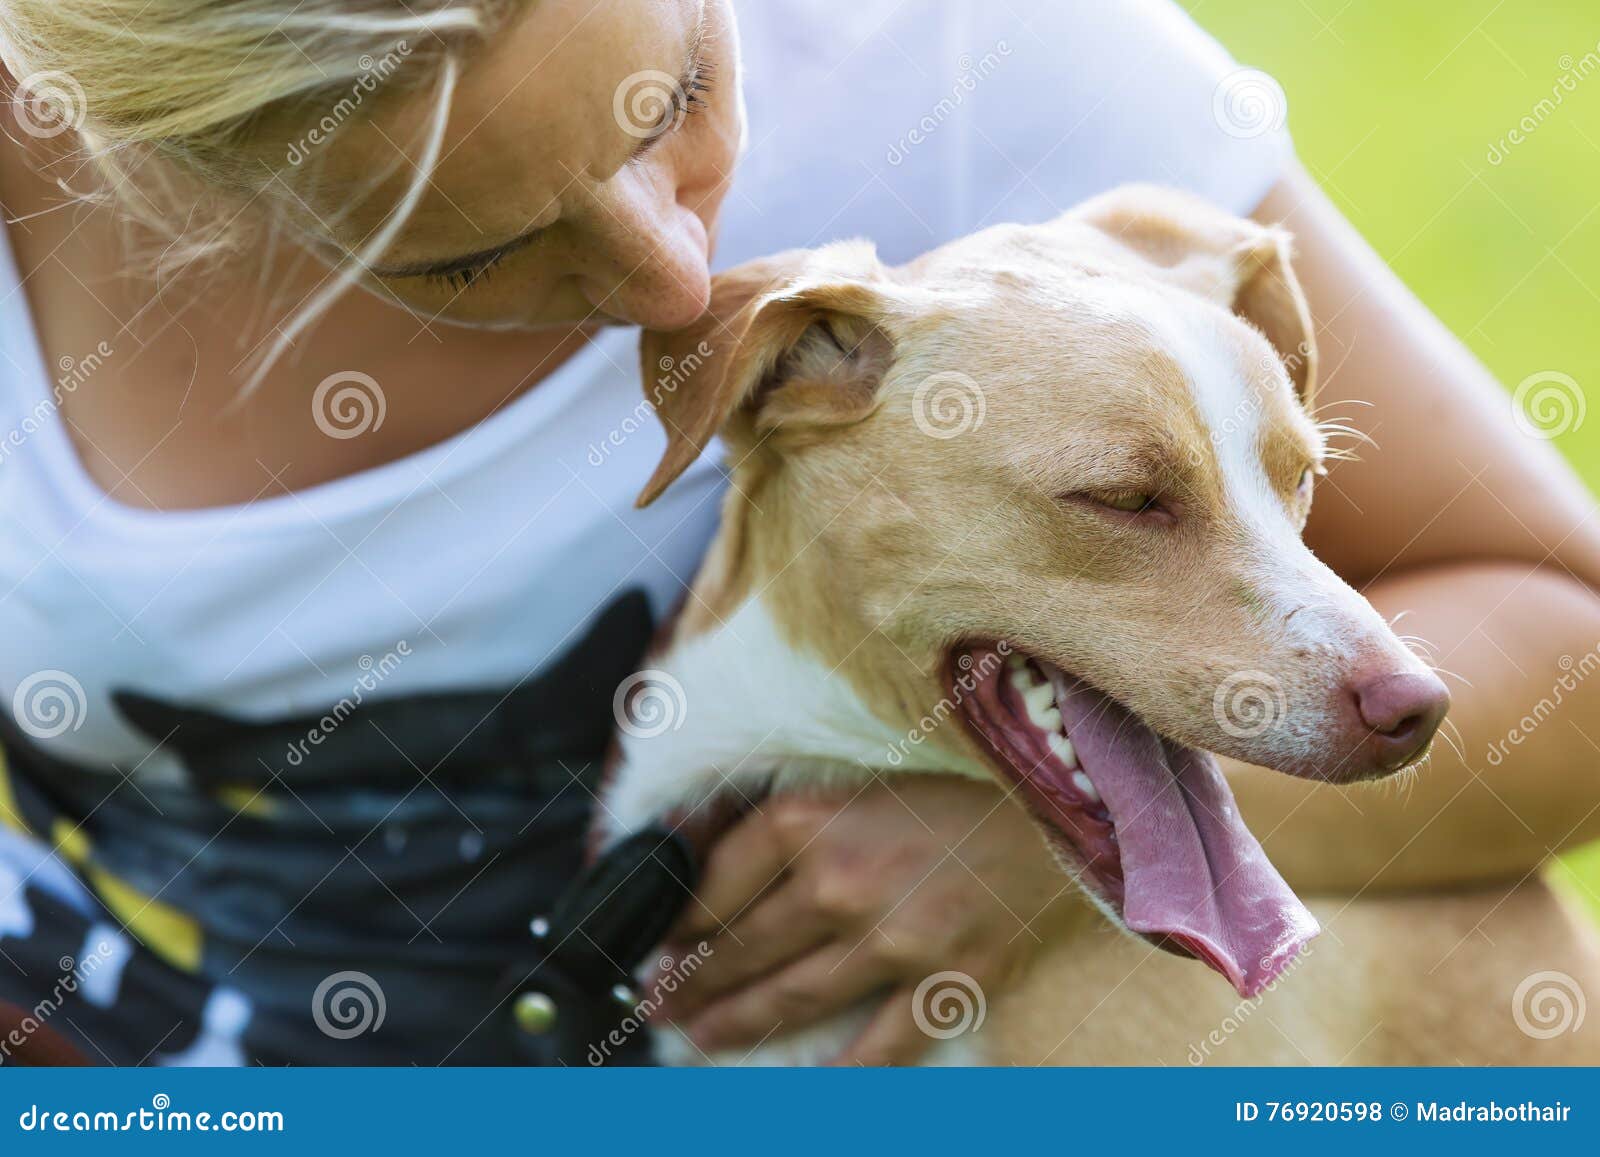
pixel 167 97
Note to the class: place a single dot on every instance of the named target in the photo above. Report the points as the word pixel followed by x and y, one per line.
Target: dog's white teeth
pixel 1038 696
pixel 1047 720
pixel 1084 784
pixel 1061 748
pixel 1024 679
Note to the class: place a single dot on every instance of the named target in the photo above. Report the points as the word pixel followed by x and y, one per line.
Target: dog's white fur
pixel 730 732
pixel 743 738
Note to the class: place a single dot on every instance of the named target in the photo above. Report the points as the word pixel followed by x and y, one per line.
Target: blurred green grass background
pixel 1397 110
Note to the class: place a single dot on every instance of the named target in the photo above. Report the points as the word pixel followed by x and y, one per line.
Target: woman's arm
pixel 1471 534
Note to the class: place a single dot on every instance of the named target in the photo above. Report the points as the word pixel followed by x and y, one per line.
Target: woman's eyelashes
pixel 697 86
pixel 476 271
pixel 466 277
pixel 689 96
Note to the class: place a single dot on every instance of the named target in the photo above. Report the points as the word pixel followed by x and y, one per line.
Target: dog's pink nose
pixel 1402 712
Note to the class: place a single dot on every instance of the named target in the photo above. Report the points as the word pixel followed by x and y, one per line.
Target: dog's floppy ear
pixel 1228 259
pixel 790 340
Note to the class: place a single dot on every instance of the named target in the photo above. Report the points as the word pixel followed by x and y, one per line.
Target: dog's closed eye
pixel 1126 505
pixel 1127 500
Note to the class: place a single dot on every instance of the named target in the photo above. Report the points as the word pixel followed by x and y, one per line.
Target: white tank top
pixel 471 564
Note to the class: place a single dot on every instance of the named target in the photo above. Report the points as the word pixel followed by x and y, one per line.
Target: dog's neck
pixel 753 712
pixel 758 705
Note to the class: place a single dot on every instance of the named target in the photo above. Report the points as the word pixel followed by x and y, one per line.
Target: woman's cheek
pixel 500 300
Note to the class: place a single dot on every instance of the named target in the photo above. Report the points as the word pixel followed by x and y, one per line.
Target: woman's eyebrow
pixel 449 265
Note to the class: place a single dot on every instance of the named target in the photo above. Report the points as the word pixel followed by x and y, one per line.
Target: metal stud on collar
pixel 535 1013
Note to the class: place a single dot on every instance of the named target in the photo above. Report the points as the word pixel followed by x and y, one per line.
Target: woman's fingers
pixel 780 927
pixel 891 1037
pixel 823 983
pixel 742 865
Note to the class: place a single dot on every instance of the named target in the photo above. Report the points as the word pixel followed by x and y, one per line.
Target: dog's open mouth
pixel 1146 825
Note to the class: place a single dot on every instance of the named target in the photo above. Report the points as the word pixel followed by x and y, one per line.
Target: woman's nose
pixel 657 275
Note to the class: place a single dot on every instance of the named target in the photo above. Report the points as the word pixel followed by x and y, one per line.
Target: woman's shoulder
pixel 913 125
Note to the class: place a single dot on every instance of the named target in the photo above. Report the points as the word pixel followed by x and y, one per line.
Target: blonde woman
pixel 320 569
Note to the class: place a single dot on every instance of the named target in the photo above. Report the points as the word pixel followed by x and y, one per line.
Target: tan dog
pixel 1029 509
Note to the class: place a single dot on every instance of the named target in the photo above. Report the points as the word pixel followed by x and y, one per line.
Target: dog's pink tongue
pixel 1193 874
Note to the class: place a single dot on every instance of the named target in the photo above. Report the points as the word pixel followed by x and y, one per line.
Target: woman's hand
pixel 809 905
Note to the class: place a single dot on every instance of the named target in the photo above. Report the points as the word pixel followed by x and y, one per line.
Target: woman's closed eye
pixel 463 273
pixel 464 278
pixel 474 270
pixel 687 97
